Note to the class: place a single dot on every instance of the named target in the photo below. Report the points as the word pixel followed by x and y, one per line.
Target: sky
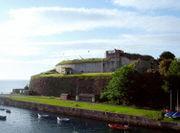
pixel 35 35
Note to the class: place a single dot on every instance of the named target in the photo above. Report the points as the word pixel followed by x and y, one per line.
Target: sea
pixel 27 121
pixel 6 86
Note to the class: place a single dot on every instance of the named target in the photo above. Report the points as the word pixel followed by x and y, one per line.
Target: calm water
pixel 26 121
pixel 6 86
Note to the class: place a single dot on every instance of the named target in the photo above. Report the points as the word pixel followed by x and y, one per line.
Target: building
pixel 114 59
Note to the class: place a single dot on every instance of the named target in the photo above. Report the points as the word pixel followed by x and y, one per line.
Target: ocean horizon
pixel 6 86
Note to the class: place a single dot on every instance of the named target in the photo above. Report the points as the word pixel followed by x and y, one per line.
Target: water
pixel 26 121
pixel 6 86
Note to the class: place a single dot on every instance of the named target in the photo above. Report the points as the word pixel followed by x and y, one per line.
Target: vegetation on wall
pixel 82 75
pixel 82 61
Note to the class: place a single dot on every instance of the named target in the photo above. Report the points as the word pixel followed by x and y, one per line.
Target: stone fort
pixel 114 59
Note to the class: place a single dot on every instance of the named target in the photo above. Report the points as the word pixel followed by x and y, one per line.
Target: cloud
pixel 149 4
pixel 27 23
pixel 92 48
pixel 44 21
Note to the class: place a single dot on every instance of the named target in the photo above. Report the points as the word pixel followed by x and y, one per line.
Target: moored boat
pixel 8 111
pixel 43 116
pixel 63 119
pixel 2 117
pixel 116 126
pixel 176 115
pixel 169 114
pixel 2 109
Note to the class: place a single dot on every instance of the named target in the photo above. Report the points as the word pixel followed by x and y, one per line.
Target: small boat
pixel 43 116
pixel 176 115
pixel 2 109
pixel 63 119
pixel 115 126
pixel 169 114
pixel 2 117
pixel 8 111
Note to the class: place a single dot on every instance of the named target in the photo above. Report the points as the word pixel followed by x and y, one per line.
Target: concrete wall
pixel 99 115
pixel 92 67
pixel 110 65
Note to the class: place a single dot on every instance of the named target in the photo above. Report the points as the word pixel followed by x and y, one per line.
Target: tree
pixel 172 82
pixel 121 88
pixel 174 68
pixel 166 55
pixel 154 94
pixel 164 66
pixel 26 87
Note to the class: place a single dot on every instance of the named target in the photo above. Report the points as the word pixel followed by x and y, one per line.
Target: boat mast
pixel 170 99
pixel 177 101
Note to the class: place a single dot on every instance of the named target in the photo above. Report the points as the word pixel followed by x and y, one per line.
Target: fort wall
pixel 91 67
pixel 55 86
pixel 114 60
pixel 109 65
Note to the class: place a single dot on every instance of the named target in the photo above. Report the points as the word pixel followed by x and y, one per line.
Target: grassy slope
pixel 81 61
pixel 91 106
pixel 83 75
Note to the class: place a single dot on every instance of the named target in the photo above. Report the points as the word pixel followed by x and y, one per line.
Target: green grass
pixel 83 75
pixel 81 61
pixel 172 120
pixel 90 106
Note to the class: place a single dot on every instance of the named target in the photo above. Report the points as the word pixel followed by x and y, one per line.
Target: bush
pixel 122 86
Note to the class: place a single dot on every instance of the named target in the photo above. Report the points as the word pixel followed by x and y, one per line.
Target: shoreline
pixel 132 120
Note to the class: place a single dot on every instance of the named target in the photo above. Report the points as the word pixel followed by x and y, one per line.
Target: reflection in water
pixel 27 121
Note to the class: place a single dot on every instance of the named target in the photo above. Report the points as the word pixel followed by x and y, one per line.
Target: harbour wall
pixel 99 115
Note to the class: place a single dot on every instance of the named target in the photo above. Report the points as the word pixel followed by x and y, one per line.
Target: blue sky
pixel 37 34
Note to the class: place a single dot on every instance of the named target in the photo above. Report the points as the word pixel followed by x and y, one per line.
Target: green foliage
pixel 81 61
pixel 132 65
pixel 164 66
pixel 128 87
pixel 81 76
pixel 151 70
pixel 174 68
pixel 166 55
pixel 152 91
pixel 121 86
pixel 172 81
pixel 52 71
pixel 26 87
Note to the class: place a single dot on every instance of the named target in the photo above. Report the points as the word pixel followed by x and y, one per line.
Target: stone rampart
pixel 55 86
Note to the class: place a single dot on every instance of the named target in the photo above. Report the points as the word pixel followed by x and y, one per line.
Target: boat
pixel 63 119
pixel 8 111
pixel 176 115
pixel 116 126
pixel 169 114
pixel 2 117
pixel 2 109
pixel 43 116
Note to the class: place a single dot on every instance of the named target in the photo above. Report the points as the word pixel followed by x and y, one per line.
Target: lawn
pixel 90 106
